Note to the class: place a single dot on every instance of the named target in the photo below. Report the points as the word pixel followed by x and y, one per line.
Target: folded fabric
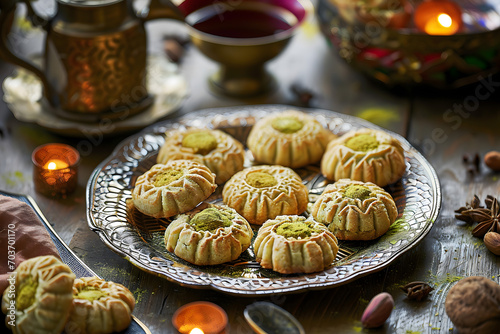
pixel 22 236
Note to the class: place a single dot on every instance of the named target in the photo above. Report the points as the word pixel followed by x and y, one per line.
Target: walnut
pixel 473 305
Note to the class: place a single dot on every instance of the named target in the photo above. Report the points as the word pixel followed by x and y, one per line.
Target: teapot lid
pixel 89 2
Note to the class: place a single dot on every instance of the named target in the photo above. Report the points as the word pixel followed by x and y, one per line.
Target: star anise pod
pixel 488 219
pixel 465 211
pixel 417 290
pixel 489 201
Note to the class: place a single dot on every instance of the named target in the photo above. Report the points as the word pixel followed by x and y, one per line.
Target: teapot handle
pixel 7 12
pixel 162 9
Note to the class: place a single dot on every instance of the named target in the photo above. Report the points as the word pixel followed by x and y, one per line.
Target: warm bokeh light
pixel 438 17
pixel 199 318
pixel 55 164
pixel 445 20
pixel 55 169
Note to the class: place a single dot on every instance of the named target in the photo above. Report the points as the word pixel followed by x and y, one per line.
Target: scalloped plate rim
pixel 304 286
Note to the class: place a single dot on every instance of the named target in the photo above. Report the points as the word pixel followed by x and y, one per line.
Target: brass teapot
pixel 95 56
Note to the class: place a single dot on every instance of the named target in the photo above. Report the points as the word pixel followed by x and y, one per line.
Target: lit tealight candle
pixel 196 331
pixel 55 169
pixel 438 17
pixel 55 164
pixel 200 318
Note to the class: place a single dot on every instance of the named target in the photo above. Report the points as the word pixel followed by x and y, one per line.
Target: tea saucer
pixel 23 95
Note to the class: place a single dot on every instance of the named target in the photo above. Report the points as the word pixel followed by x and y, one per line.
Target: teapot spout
pixel 162 9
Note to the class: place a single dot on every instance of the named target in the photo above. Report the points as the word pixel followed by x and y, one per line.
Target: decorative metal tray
pixel 23 94
pixel 139 238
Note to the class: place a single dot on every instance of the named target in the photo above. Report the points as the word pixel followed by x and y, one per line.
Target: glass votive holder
pixel 200 317
pixel 55 169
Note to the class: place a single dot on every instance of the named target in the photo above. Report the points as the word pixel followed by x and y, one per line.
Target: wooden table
pixel 448 253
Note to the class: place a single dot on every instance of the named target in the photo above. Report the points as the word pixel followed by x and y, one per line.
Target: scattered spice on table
pixel 174 47
pixel 488 218
pixel 441 280
pixel 473 164
pixel 303 94
pixel 464 211
pixel 477 162
pixel 417 290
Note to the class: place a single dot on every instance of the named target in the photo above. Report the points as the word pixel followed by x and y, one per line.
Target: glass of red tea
pixel 241 36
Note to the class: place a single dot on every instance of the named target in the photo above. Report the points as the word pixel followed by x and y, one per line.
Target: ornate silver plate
pixel 139 238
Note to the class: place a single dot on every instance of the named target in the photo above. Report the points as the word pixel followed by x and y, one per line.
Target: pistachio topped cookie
pixel 217 150
pixel 209 235
pixel 263 192
pixel 294 244
pixel 290 138
pixel 364 155
pixel 42 296
pixel 355 210
pixel 99 307
pixel 173 188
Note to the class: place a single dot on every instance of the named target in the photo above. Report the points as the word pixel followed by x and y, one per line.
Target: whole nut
pixel 492 160
pixel 378 310
pixel 492 242
pixel 174 50
pixel 473 305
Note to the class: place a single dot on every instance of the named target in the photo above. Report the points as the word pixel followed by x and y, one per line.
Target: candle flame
pixel 196 331
pixel 52 165
pixel 445 20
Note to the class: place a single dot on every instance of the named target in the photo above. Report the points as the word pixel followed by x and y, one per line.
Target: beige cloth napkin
pixel 28 238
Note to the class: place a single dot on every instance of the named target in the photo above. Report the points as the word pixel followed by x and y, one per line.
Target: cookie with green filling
pixel 172 188
pixel 355 210
pixel 364 155
pixel 209 235
pixel 217 150
pixel 264 192
pixel 290 138
pixel 41 296
pixel 99 306
pixel 295 244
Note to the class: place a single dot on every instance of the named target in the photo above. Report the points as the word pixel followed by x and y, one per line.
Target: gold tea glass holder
pixel 242 72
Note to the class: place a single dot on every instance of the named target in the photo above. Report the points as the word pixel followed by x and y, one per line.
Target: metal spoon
pixel 267 318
